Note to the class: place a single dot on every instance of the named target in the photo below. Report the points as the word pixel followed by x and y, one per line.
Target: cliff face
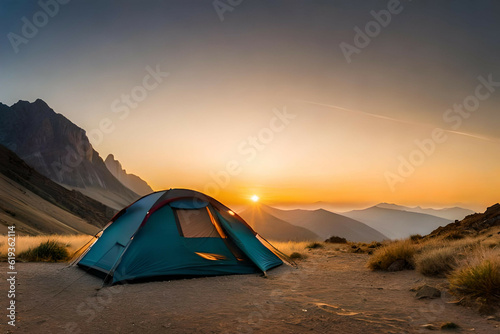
pixel 131 181
pixel 56 148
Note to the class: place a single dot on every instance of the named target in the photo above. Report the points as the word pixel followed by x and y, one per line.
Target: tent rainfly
pixel 177 232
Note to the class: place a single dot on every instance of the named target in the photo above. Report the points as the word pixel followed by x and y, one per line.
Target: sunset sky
pixel 266 102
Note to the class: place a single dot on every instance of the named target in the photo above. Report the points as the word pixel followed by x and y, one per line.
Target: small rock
pixel 427 291
pixel 397 265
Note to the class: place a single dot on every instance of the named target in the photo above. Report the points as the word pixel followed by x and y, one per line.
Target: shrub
pixel 297 256
pixel 415 237
pixel 454 236
pixel 336 240
pixel 449 325
pixel 481 280
pixel 375 244
pixel 436 262
pixel 49 251
pixel 314 245
pixel 383 257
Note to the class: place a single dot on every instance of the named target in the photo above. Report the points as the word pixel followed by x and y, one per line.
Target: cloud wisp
pixel 465 134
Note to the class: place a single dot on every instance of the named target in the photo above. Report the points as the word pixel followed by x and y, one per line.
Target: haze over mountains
pixel 327 224
pixel 397 224
pixel 455 213
pixel 372 224
pixel 61 151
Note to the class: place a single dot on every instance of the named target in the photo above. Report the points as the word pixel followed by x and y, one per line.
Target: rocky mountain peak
pixel 56 147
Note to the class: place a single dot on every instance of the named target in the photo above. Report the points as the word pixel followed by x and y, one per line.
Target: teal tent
pixel 178 232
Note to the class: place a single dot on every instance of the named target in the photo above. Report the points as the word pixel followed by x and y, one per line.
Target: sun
pixel 255 198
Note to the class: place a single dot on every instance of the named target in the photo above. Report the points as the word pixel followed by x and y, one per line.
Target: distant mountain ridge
pixel 454 213
pixel 327 224
pixel 37 205
pixel 131 181
pixel 397 224
pixel 273 228
pixel 60 150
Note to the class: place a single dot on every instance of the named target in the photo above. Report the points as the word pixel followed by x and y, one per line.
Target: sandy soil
pixel 330 292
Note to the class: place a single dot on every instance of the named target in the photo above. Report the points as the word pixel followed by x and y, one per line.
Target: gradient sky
pixel 227 79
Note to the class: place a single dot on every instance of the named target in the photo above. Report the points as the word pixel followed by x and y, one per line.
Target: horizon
pixel 283 109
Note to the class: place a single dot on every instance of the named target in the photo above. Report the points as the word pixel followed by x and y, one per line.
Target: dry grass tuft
pixel 49 251
pixel 478 278
pixel 471 263
pixel 315 245
pixel 289 247
pixel 436 262
pixel 23 243
pixel 383 257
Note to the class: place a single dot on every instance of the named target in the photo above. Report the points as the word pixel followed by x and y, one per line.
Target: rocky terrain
pixel 470 225
pixel 59 150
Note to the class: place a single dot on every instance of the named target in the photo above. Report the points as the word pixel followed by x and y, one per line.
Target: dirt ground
pixel 330 292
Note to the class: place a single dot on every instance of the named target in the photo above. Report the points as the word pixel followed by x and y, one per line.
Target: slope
pixel 472 224
pixel 38 205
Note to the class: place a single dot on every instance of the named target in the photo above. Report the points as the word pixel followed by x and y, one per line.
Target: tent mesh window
pixel 195 223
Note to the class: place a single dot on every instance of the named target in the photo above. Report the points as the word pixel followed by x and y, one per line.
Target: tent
pixel 178 232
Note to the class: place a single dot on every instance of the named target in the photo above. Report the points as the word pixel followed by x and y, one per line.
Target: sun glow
pixel 255 198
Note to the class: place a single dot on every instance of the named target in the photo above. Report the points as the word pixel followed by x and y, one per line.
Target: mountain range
pixel 327 224
pixel 61 151
pixel 397 224
pixel 454 213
